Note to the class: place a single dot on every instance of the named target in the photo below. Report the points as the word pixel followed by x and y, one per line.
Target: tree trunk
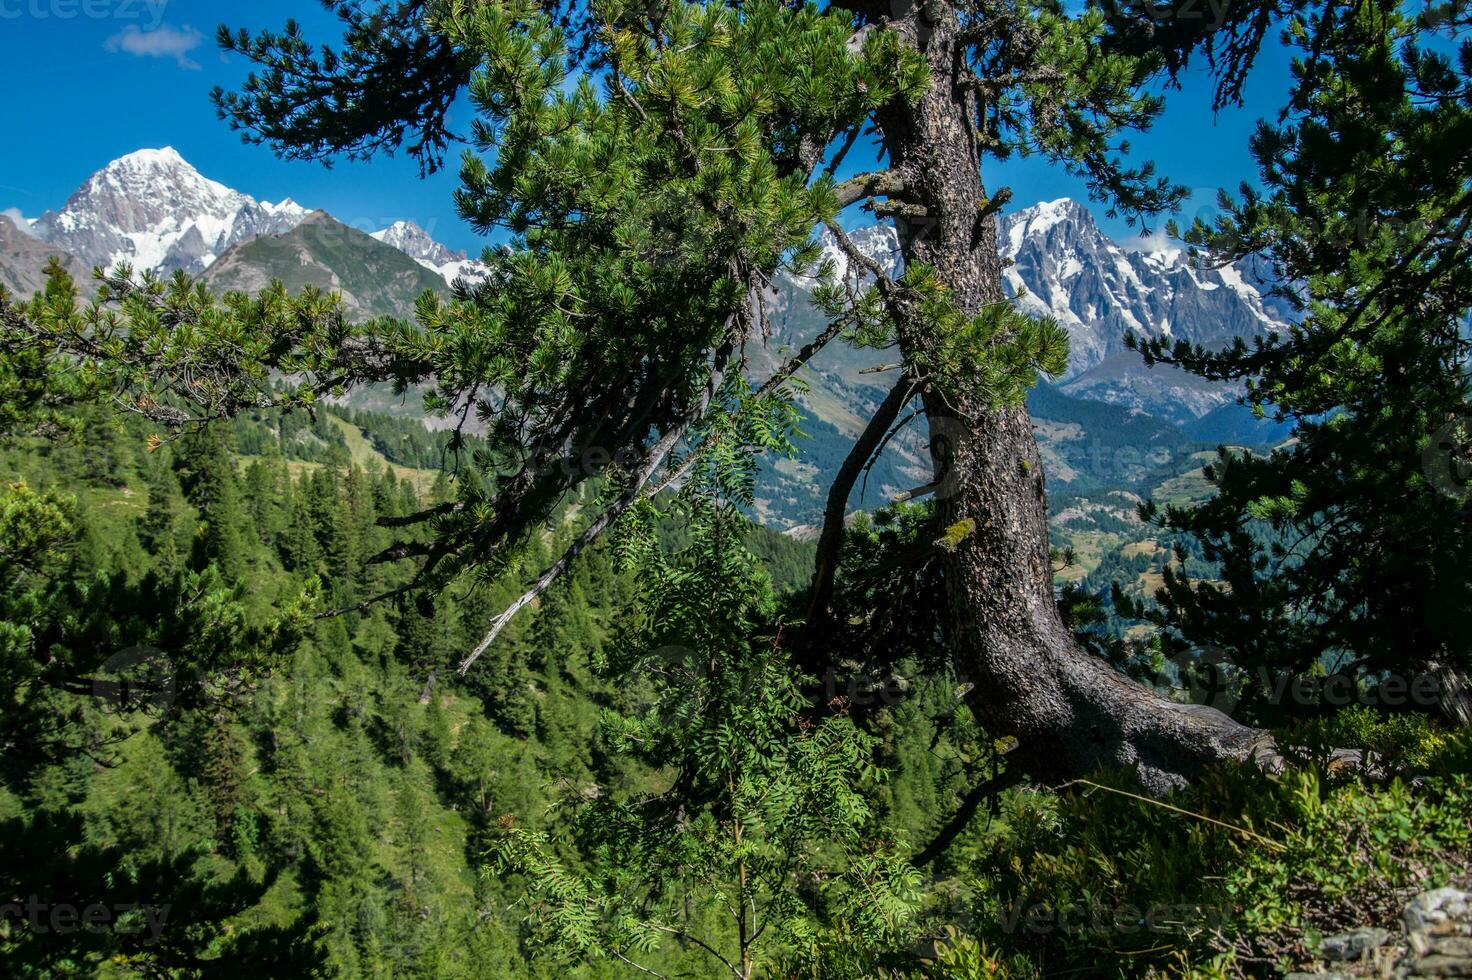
pixel 1070 711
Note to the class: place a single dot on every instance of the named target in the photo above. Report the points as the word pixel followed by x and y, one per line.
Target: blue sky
pixel 91 80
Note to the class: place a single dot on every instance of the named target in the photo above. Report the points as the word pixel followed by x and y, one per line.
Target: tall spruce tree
pixel 158 529
pixel 212 486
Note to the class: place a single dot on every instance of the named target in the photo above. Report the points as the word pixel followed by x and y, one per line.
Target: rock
pixel 1431 912
pixel 1352 945
pixel 1439 930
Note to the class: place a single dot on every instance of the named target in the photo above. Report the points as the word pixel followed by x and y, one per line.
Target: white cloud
pixel 162 42
pixel 1153 240
pixel 1202 203
pixel 18 219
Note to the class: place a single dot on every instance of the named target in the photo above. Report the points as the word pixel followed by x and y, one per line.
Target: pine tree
pixel 1348 548
pixel 300 550
pixel 264 489
pixel 657 164
pixel 158 529
pixel 652 204
pixel 223 776
pixel 211 485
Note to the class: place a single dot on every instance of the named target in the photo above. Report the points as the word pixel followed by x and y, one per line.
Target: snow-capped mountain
pixel 1062 265
pixel 416 243
pixel 152 210
pixel 878 242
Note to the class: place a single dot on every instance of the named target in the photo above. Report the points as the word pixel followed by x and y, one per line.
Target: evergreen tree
pixel 264 489
pixel 223 775
pixel 1348 548
pixel 658 163
pixel 159 527
pixel 755 829
pixel 300 549
pixel 211 485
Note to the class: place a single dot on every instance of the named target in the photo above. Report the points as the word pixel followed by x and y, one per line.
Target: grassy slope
pixel 375 279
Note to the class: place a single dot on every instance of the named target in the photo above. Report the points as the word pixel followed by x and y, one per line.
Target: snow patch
pixel 1042 218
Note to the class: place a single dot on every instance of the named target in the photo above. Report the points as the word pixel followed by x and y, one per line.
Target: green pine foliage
pixel 1346 548
pixel 325 795
pixel 231 617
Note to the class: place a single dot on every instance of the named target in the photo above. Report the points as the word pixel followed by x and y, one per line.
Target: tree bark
pixel 1070 712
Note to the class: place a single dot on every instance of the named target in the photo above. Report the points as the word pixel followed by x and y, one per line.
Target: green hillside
pixel 334 815
pixel 374 279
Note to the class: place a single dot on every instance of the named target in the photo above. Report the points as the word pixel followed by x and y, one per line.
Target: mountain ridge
pixel 152 209
pixel 23 261
pixel 1060 264
pixel 373 278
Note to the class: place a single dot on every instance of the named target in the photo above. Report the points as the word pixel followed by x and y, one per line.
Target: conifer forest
pixel 893 489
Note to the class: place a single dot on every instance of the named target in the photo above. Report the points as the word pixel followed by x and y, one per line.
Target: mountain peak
pixel 165 156
pixel 152 210
pixel 157 171
pixel 415 242
pixel 153 169
pixel 1062 265
pixel 1044 216
pixel 373 279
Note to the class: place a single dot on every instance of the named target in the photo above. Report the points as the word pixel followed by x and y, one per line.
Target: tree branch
pixel 651 462
pixel 856 255
pixel 880 182
pixel 830 542
pixel 787 370
pixel 984 790
pixel 419 517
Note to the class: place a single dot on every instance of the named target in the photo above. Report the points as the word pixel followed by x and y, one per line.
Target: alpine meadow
pixel 736 488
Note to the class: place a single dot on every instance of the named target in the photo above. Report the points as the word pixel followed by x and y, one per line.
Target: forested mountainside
pixel 329 811
pixel 333 807
pixel 373 279
pixel 1144 653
